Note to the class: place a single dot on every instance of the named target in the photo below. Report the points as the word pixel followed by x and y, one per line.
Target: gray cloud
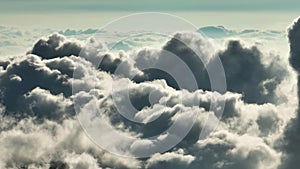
pixel 245 67
pixel 37 87
pixel 226 150
pixel 246 73
pixel 291 138
pixel 21 76
pixel 55 45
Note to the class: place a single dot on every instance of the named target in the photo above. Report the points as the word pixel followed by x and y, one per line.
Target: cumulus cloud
pixel 246 68
pixel 55 45
pixel 246 73
pixel 227 150
pixel 170 160
pixel 291 138
pixel 42 91
pixel 19 79
pixel 53 144
pixel 189 51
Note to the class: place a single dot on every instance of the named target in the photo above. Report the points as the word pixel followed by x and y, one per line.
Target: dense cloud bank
pixel 291 138
pixel 40 93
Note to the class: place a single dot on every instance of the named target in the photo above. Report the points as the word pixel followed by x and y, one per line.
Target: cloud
pixel 222 150
pixel 41 93
pixel 170 160
pixel 291 138
pixel 82 161
pixel 247 73
pixel 55 45
pixel 21 76
pixel 55 144
pixel 70 32
pixel 293 35
pixel 44 105
pixel 247 69
pixel 220 32
pixel 227 150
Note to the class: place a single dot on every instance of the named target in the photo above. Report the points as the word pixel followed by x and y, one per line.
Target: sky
pixel 137 5
pixel 84 20
pixel 268 14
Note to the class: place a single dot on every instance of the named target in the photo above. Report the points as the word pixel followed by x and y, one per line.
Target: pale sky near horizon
pixel 231 20
pixel 79 14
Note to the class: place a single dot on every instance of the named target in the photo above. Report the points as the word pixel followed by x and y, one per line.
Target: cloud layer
pixel 59 78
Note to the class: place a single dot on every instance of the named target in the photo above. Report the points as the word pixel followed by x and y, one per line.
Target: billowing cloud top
pixel 59 78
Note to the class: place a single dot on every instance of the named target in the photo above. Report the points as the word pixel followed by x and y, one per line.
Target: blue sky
pixel 13 6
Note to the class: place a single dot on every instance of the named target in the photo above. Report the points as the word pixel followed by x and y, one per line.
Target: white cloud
pixel 38 92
